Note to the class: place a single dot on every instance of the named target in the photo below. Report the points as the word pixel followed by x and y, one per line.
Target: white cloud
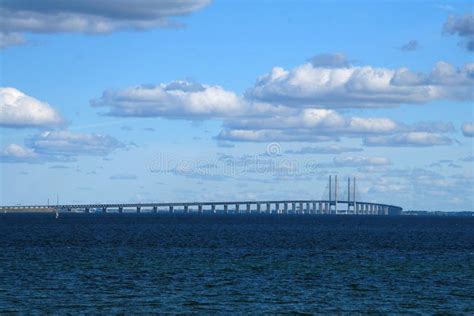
pixel 176 99
pixel 182 100
pixel 17 153
pixel 90 16
pixel 468 129
pixel 64 146
pixel 315 125
pixel 66 143
pixel 20 110
pixel 412 139
pixel 320 121
pixel 367 86
pixel 249 120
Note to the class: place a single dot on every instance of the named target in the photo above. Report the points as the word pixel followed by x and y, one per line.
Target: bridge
pixel 332 205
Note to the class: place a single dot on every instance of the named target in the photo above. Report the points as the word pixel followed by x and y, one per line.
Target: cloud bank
pixel 300 105
pixel 88 16
pixel 362 87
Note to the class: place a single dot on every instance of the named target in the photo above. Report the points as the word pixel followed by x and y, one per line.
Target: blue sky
pixel 237 100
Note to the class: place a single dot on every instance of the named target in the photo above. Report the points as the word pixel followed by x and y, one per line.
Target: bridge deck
pixel 278 206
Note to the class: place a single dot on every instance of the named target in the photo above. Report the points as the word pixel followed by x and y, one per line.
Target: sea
pixel 235 264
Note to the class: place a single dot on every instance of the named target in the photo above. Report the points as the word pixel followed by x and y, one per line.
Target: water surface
pixel 235 263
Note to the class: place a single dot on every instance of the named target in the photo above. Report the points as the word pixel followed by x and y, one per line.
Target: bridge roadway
pixel 273 207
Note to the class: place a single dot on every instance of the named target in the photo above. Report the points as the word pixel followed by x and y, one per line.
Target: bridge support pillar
pixel 186 208
pixel 171 209
pixel 120 210
pixel 268 208
pixel 155 209
pixel 315 210
pixel 258 207
pixel 213 208
pixel 308 208
pixel 277 208
pixel 104 210
pixel 293 207
pixel 285 208
pixel 69 209
pixel 226 208
pixel 237 208
pixel 301 211
pixel 248 208
pixel 139 209
pixel 87 210
pixel 200 208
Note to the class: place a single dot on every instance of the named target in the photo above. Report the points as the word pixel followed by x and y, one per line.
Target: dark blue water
pixel 236 263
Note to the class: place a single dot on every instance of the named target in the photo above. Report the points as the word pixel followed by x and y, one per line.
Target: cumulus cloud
pixel 463 26
pixel 321 120
pixel 329 149
pixel 410 46
pixel 468 129
pixel 316 125
pixel 90 16
pixel 66 143
pixel 248 119
pixel 17 153
pixel 20 110
pixel 359 87
pixel 175 99
pixel 59 146
pixel 413 139
pixel 183 100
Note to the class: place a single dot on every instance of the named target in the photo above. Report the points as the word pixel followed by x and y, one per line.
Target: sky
pixel 197 100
